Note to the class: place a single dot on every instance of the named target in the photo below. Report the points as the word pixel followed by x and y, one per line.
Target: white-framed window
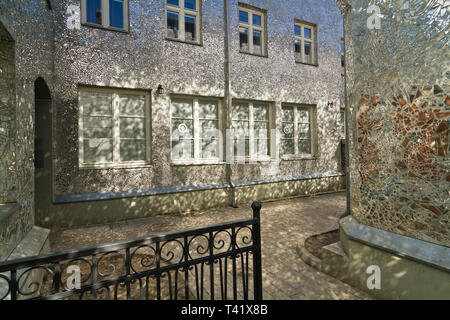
pixel 114 127
pixel 110 14
pixel 250 129
pixel 297 126
pixel 252 31
pixel 196 131
pixel 183 20
pixel 305 43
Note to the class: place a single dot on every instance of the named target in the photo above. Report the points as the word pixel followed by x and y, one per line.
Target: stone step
pixel 34 243
pixel 333 259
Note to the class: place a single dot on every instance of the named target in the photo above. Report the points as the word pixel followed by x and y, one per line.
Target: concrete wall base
pixel 409 268
pixel 99 211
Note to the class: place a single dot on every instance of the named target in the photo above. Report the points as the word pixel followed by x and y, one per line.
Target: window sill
pixel 115 166
pixel 307 64
pixel 298 157
pixel 96 26
pixel 251 160
pixel 196 163
pixel 200 44
pixel 254 54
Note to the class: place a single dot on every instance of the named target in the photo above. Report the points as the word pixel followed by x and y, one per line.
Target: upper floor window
pixel 250 127
pixel 114 127
pixel 196 130
pixel 110 14
pixel 342 53
pixel 252 31
pixel 305 43
pixel 297 130
pixel 183 20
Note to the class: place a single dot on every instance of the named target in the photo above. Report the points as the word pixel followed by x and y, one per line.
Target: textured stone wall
pixel 398 90
pixel 7 117
pixel 29 24
pixel 143 59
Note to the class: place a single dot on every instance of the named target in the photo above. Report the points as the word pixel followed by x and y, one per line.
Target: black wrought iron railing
pixel 221 261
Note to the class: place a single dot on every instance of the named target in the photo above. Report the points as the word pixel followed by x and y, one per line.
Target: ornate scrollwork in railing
pixel 200 263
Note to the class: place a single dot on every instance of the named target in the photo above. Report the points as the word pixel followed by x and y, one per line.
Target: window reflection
pixel 94 11
pixel 189 28
pixel 243 39
pixel 172 24
pixel 116 13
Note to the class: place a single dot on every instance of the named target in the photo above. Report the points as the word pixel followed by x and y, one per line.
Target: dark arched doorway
pixel 42 150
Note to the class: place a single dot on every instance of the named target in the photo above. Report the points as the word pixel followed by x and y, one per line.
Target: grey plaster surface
pixel 415 249
pixel 283 225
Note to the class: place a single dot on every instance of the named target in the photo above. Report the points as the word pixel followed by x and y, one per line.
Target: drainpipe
pixel 228 102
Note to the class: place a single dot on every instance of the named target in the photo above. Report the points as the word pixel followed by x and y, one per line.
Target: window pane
pixel 307 32
pixel 288 130
pixel 257 42
pixel 342 118
pixel 182 108
pixel 261 112
pixel 288 114
pixel 297 30
pixel 241 147
pixel 298 53
pixel 302 115
pixel 98 150
pixel 304 146
pixel 207 109
pixel 240 129
pixel 132 127
pixel 243 16
pixel 97 127
pixel 261 147
pixel 96 103
pixel 256 20
pixel 116 14
pixel 94 11
pixel 210 149
pixel 173 2
pixel 303 131
pixel 189 27
pixel 239 111
pixel 209 129
pixel 182 149
pixel 172 24
pixel 182 128
pixel 132 105
pixel 190 4
pixel 308 55
pixel 132 150
pixel 288 146
pixel 243 39
pixel 261 130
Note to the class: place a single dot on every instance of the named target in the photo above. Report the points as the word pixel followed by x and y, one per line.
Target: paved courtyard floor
pixel 284 224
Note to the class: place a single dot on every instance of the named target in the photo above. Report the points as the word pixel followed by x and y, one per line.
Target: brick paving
pixel 284 224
